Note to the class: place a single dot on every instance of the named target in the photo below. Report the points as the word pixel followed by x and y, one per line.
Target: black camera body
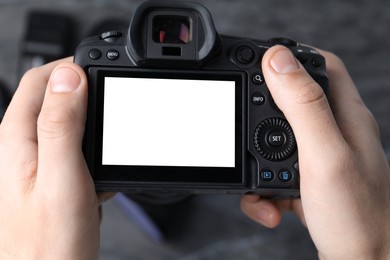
pixel 175 107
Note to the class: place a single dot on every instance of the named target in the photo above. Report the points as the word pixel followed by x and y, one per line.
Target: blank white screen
pixel 168 122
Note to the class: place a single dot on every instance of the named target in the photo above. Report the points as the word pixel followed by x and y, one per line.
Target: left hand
pixel 49 207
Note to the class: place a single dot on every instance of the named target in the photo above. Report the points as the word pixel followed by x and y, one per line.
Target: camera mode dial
pixel 111 36
pixel 274 139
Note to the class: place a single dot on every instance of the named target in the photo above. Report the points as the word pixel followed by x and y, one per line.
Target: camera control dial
pixel 274 139
pixel 111 36
pixel 283 41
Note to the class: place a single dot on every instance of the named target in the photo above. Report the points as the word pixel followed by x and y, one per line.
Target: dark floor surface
pixel 212 226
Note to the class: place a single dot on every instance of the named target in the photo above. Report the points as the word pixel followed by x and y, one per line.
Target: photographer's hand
pixel 345 176
pixel 49 207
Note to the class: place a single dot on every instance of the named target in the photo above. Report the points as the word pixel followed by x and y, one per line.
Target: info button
pixel 258 99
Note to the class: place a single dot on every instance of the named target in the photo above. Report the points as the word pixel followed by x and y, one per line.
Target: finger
pixel 260 210
pixel 268 213
pixel 294 205
pixel 354 119
pixel 20 119
pixel 60 131
pixel 344 95
pixel 18 130
pixel 305 106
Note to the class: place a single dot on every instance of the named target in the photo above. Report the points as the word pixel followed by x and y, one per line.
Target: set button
pixel 276 138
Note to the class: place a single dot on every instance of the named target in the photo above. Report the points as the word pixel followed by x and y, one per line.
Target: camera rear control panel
pixel 271 140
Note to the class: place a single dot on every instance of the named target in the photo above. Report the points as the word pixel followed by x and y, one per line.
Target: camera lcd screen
pixel 169 122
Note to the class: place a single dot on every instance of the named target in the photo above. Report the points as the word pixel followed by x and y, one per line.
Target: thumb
pixel 304 104
pixel 61 128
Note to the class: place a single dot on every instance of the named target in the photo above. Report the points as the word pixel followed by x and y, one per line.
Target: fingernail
pixel 64 80
pixel 284 62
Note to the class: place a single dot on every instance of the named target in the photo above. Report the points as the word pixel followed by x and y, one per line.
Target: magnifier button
pixel 258 78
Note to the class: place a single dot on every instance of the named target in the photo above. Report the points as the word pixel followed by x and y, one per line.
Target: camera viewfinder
pixel 171 29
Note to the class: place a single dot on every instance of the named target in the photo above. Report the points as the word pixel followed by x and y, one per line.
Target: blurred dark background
pixel 212 226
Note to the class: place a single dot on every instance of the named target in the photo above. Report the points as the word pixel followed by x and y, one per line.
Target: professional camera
pixel 175 107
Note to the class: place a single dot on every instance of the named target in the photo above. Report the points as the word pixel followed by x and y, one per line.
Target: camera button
pixel 276 138
pixel 296 166
pixel 258 99
pixel 95 54
pixel 112 54
pixel 258 78
pixel 245 54
pixel 285 175
pixel 266 175
pixel 316 62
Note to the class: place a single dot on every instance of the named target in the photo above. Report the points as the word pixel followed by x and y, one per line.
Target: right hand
pixel 345 175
